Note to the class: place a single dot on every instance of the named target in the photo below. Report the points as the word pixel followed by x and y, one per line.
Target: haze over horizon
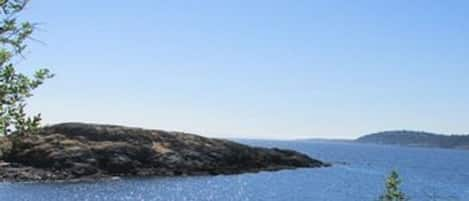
pixel 263 69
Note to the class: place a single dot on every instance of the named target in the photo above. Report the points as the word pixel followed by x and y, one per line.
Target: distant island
pixel 417 138
pixel 78 151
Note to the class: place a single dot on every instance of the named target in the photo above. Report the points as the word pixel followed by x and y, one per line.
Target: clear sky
pixel 257 69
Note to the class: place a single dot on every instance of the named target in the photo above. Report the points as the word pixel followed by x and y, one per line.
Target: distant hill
pixel 417 138
pixel 322 140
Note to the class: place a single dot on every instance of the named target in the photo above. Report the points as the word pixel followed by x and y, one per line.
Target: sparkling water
pixel 358 174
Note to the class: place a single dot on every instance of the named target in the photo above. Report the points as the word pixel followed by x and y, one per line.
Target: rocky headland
pixel 78 151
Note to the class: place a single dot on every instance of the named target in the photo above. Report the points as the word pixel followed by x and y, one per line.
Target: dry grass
pixel 5 146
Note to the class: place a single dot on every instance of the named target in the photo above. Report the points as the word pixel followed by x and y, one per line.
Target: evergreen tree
pixel 393 191
pixel 16 87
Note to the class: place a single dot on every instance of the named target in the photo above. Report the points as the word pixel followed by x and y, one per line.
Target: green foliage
pixel 393 191
pixel 15 87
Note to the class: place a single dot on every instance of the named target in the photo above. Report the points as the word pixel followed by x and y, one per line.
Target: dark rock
pixel 76 151
pixel 83 169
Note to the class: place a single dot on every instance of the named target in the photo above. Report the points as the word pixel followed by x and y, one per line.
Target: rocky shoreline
pixel 77 151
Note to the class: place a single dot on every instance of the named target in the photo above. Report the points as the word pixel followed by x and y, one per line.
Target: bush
pixel 16 87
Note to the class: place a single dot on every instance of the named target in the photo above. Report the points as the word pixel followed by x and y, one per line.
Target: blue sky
pixel 256 69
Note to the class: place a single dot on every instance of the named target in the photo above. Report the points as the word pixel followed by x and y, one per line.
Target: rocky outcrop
pixel 80 151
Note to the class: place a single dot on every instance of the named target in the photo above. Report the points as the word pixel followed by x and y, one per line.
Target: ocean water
pixel 357 175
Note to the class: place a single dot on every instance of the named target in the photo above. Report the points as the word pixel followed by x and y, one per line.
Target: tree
pixel 393 191
pixel 16 87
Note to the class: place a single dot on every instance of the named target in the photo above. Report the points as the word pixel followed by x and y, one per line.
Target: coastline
pixel 77 151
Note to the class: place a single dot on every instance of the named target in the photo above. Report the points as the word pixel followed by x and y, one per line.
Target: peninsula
pixel 76 151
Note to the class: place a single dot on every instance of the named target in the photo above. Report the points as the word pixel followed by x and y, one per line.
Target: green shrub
pixel 16 87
